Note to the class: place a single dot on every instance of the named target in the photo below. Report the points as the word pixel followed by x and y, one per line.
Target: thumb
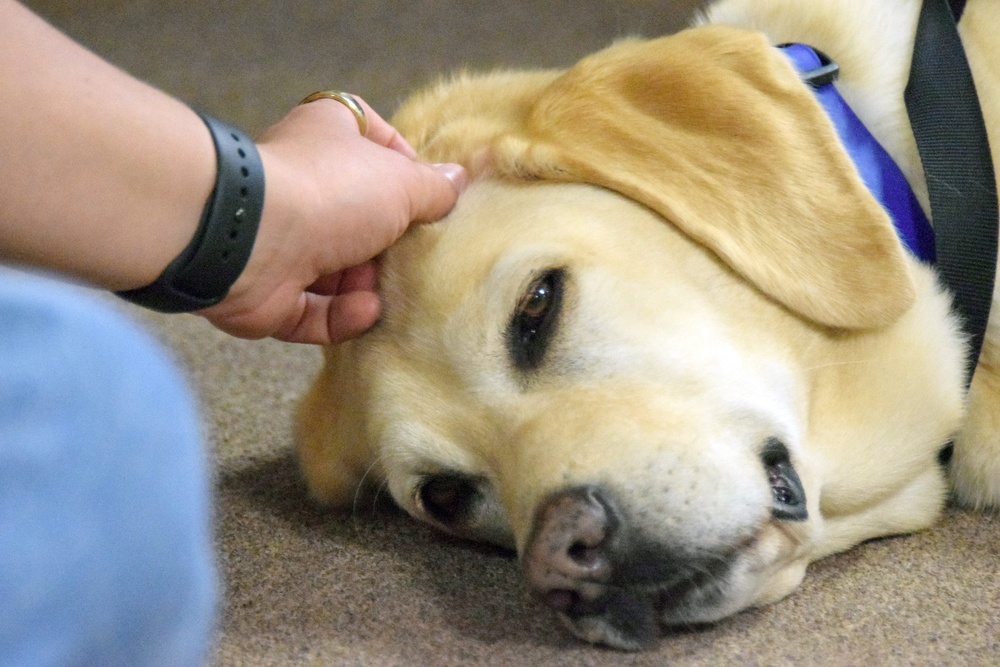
pixel 434 190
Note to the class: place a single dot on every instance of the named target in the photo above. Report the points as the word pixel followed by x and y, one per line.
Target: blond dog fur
pixel 729 279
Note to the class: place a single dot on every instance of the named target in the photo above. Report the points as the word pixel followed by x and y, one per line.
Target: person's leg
pixel 105 538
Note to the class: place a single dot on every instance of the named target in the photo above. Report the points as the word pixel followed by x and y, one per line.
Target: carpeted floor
pixel 370 587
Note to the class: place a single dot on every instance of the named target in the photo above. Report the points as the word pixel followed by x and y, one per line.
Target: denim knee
pixel 105 536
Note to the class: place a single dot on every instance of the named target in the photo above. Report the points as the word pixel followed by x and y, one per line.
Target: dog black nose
pixel 566 560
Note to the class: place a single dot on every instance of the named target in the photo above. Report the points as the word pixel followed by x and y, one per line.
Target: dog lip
pixel 576 604
pixel 633 615
pixel 563 600
pixel 628 619
pixel 697 584
pixel 678 596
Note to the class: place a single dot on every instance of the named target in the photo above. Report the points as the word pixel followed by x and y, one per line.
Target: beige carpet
pixel 371 587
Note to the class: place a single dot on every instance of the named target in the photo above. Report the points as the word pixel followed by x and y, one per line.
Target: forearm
pixel 101 176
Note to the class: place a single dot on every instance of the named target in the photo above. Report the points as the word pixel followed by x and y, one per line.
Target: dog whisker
pixel 382 458
pixel 378 492
pixel 850 362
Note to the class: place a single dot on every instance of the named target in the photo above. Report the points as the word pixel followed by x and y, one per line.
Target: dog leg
pixel 975 466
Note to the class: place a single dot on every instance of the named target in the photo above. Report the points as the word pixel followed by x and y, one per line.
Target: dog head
pixel 605 356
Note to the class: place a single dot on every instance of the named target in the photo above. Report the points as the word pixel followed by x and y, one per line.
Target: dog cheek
pixel 334 456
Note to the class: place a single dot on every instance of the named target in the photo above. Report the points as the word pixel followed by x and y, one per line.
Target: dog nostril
pixel 584 555
pixel 567 559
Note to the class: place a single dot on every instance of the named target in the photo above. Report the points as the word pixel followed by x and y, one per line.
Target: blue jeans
pixel 105 537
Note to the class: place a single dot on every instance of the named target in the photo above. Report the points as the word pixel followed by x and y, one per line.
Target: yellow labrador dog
pixel 668 346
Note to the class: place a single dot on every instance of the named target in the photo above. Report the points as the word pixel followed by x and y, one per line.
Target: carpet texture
pixel 371 587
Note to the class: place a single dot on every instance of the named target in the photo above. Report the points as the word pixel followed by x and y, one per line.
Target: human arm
pixel 104 177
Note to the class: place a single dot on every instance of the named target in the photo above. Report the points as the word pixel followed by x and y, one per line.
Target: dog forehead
pixel 647 292
pixel 650 296
pixel 445 279
pixel 498 233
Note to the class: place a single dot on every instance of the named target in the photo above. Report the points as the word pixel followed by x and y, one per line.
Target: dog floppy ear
pixel 713 129
pixel 334 454
pixel 460 118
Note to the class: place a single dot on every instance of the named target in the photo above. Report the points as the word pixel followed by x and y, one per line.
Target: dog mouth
pixel 631 614
pixel 613 585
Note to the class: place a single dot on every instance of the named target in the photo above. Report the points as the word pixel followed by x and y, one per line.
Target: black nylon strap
pixel 205 270
pixel 951 138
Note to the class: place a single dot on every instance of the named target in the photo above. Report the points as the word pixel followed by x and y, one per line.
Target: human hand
pixel 334 200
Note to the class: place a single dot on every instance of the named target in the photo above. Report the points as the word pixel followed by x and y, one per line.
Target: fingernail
pixel 455 173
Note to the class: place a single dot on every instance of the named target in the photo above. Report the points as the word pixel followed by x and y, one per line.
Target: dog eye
pixel 789 498
pixel 534 321
pixel 448 498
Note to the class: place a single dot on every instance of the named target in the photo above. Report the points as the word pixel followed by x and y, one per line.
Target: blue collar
pixel 878 171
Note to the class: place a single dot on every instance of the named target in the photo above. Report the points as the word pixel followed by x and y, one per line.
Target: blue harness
pixel 878 170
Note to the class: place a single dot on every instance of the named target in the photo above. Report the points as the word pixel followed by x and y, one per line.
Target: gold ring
pixel 347 100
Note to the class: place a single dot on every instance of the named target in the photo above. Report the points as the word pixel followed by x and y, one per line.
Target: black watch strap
pixel 205 270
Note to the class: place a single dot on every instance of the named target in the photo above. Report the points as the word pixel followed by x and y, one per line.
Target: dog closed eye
pixel 534 321
pixel 465 505
pixel 448 498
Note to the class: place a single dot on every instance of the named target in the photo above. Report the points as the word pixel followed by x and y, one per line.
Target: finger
pixel 332 319
pixel 435 200
pixel 327 113
pixel 327 285
pixel 433 189
pixel 352 314
pixel 361 278
pixel 384 134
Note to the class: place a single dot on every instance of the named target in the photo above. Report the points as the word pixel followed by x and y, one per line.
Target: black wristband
pixel 205 270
